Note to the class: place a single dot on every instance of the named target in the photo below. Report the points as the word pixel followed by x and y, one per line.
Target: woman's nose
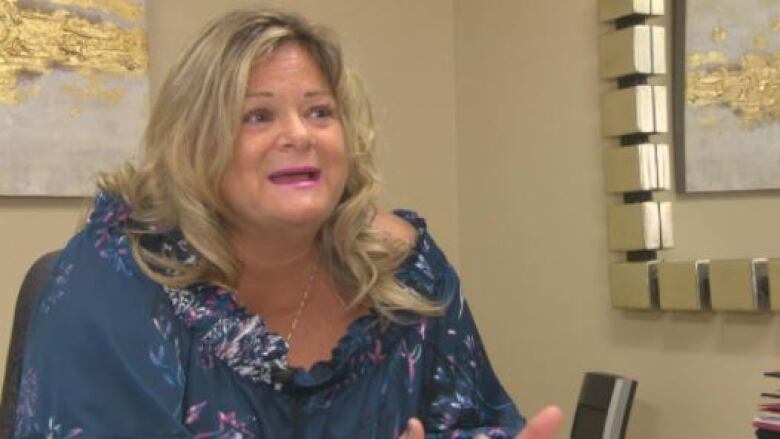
pixel 296 133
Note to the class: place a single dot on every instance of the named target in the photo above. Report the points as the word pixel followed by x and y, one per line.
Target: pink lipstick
pixel 303 176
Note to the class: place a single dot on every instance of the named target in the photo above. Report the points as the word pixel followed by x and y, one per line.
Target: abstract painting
pixel 73 92
pixel 727 95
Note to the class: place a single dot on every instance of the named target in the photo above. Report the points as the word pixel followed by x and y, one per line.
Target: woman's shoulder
pixel 95 280
pixel 106 232
pixel 426 268
pixel 412 229
pixel 394 227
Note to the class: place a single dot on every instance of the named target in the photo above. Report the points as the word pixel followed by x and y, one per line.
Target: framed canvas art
pixel 73 92
pixel 727 95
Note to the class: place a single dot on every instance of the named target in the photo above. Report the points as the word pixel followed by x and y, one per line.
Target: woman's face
pixel 289 166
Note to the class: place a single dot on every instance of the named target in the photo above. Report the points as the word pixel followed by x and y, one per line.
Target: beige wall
pixel 511 181
pixel 533 235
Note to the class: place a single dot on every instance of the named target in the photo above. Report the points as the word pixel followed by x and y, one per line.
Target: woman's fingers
pixel 414 430
pixel 543 425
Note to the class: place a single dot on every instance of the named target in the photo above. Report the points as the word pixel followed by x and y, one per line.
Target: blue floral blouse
pixel 110 353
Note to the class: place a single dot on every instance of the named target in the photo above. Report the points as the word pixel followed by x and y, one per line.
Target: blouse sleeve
pixel 102 351
pixel 462 397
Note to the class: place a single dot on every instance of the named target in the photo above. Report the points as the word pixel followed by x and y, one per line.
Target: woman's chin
pixel 308 217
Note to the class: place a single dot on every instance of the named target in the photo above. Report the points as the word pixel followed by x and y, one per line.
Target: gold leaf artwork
pixel 35 43
pixel 719 34
pixel 750 88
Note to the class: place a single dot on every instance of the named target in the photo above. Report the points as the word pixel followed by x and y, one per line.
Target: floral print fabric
pixel 110 353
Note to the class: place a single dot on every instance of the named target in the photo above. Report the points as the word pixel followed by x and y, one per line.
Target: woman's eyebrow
pixel 315 93
pixel 264 94
pixel 268 94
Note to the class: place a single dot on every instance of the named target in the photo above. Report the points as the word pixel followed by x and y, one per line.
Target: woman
pixel 255 196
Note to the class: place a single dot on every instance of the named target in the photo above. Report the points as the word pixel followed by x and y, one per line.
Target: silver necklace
pixel 304 297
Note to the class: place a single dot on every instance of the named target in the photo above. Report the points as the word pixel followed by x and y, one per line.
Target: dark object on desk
pixel 767 434
pixel 603 406
pixel 34 282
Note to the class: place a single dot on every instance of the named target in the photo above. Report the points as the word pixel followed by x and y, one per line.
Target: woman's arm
pixel 102 355
pixel 461 397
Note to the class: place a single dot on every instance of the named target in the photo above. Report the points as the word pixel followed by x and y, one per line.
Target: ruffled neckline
pixel 226 331
pixel 364 343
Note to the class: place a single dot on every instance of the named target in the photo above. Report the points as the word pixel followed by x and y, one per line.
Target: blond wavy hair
pixel 189 142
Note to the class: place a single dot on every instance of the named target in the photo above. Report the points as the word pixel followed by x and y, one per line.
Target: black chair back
pixel 603 406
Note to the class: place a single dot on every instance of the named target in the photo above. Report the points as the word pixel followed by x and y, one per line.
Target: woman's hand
pixel 414 430
pixel 542 426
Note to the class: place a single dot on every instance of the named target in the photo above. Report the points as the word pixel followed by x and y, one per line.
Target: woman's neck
pixel 274 270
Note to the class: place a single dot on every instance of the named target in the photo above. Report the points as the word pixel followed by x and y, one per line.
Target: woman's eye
pixel 322 112
pixel 257 116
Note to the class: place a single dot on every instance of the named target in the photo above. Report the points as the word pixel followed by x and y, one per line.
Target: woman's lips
pixel 304 176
